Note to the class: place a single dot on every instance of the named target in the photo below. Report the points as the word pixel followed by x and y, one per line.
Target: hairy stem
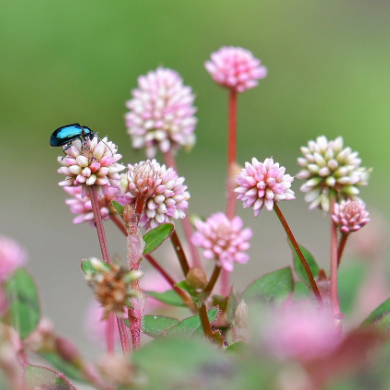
pixel 295 245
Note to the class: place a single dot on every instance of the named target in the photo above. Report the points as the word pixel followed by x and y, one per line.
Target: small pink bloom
pixel 12 256
pixel 82 205
pixel 91 162
pixel 263 184
pixel 300 331
pixel 223 240
pixel 165 194
pixel 235 68
pixel 161 113
pixel 350 215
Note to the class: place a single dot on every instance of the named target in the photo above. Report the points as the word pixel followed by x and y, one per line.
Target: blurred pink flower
pixel 161 113
pixel 91 162
pixel 263 184
pixel 153 281
pixel 300 331
pixel 350 215
pixel 83 206
pixel 12 256
pixel 223 240
pixel 165 195
pixel 235 68
pixel 94 325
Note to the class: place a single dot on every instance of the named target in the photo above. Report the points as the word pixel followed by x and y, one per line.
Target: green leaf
pixel 155 237
pixel 69 369
pixel 301 291
pixel 275 286
pixel 118 207
pixel 237 348
pixel 178 363
pixel 231 308
pixel 298 267
pixel 380 316
pixel 23 301
pixel 86 266
pixel 46 378
pixel 156 326
pixel 170 297
pixel 192 325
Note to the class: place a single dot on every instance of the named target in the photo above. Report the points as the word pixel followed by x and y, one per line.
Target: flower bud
pixel 196 278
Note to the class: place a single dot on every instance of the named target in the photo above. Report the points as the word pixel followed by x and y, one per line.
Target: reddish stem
pixel 206 326
pixel 119 224
pixel 213 279
pixel 187 228
pixel 232 157
pixel 340 249
pixel 295 245
pixel 106 258
pixel 180 252
pixel 232 154
pixel 333 266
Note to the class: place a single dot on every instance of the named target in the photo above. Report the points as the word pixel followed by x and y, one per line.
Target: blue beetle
pixel 65 135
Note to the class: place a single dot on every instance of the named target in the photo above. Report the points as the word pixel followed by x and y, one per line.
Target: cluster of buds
pixel 350 215
pixel 111 285
pixel 91 162
pixel 160 189
pixel 327 166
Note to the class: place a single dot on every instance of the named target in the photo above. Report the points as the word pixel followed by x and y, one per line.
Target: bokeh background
pixel 77 60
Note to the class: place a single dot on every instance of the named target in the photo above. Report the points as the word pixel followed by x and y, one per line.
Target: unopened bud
pixel 66 349
pixel 196 278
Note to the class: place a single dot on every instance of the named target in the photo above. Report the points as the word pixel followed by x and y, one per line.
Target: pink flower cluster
pixel 12 256
pixel 165 195
pixel 350 215
pixel 91 162
pixel 235 68
pixel 82 205
pixel 300 331
pixel 161 113
pixel 263 184
pixel 223 240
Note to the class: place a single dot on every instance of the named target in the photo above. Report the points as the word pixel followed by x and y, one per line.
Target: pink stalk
pixel 170 162
pixel 298 251
pixel 135 246
pixel 232 157
pixel 333 266
pixel 106 257
pixel 340 249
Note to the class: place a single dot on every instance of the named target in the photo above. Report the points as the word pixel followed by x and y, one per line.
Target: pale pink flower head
pixel 300 331
pixel 164 193
pixel 329 167
pixel 82 205
pixel 263 184
pixel 161 113
pixel 223 240
pixel 12 256
pixel 91 162
pixel 235 68
pixel 350 215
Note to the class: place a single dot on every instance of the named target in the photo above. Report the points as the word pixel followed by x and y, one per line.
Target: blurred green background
pixel 77 60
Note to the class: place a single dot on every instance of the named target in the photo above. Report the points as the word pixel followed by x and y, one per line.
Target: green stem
pixel 295 245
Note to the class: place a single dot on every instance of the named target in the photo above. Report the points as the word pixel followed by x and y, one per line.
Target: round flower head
pixel 91 162
pixel 350 215
pixel 12 256
pixel 82 205
pixel 328 167
pixel 263 184
pixel 235 68
pixel 163 191
pixel 223 240
pixel 161 113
